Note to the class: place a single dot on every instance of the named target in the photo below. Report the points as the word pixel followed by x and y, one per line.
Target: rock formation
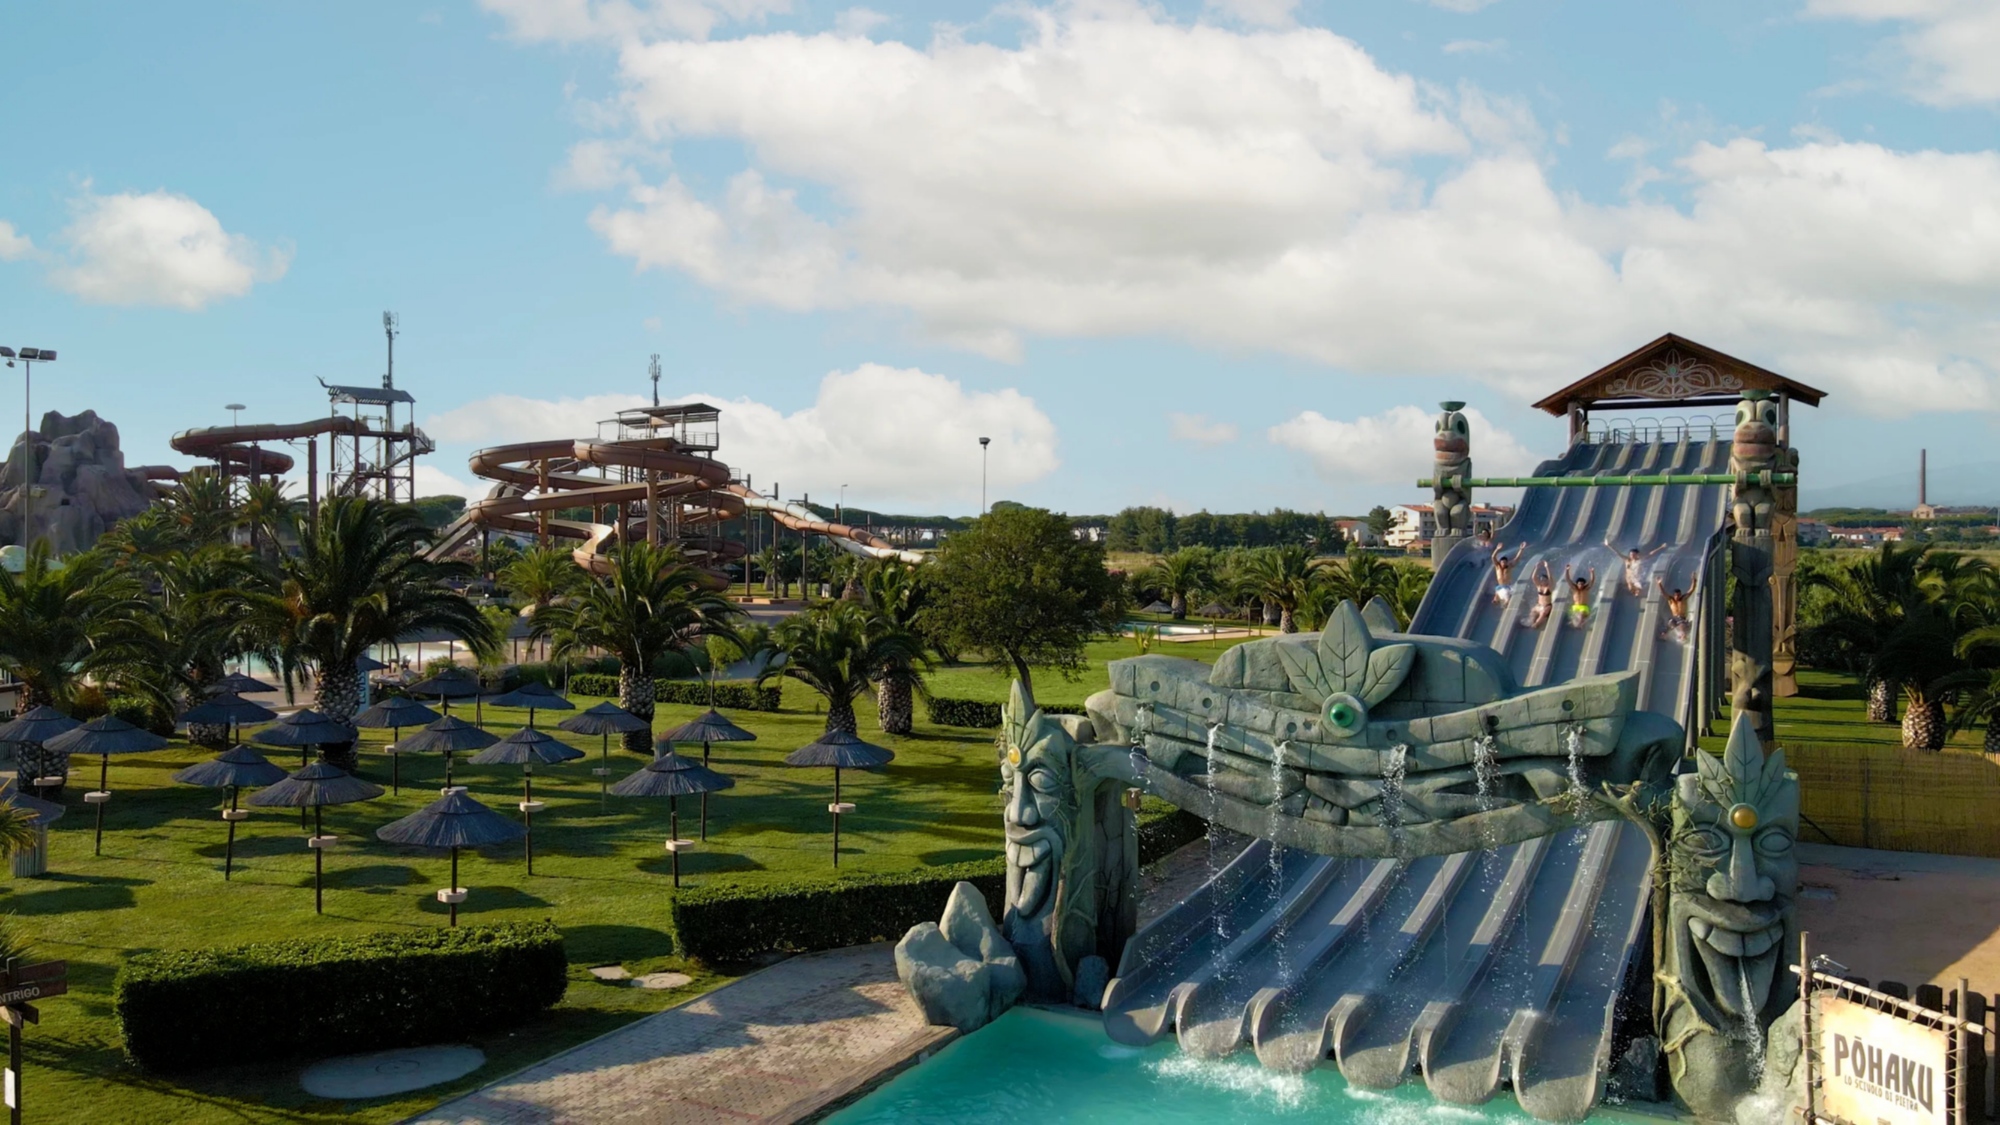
pixel 962 972
pixel 86 486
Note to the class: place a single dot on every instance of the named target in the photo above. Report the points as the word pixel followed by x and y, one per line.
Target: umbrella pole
pixel 836 817
pixel 319 867
pixel 454 885
pixel 674 835
pixel 396 765
pixel 527 814
pixel 229 849
pixel 447 770
pixel 604 778
pixel 103 784
pixel 305 754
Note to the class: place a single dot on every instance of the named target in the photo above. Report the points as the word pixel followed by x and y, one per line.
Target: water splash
pixel 1277 860
pixel 1285 1093
pixel 1752 1034
pixel 1395 768
pixel 1485 779
pixel 1573 748
pixel 1219 911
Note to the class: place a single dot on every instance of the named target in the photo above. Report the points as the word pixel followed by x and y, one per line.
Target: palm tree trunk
pixel 1288 620
pixel 840 714
pixel 1881 702
pixel 636 693
pixel 893 705
pixel 340 698
pixel 1923 725
pixel 1992 745
pixel 1179 606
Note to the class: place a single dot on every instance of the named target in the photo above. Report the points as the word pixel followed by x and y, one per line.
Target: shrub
pixel 737 697
pixel 143 713
pixel 182 1009
pixel 978 713
pixel 87 702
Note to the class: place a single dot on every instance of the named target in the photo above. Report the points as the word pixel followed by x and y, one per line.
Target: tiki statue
pixel 1451 498
pixel 1732 875
pixel 1752 510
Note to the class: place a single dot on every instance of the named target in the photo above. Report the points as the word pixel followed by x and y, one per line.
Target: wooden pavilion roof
pixel 1674 371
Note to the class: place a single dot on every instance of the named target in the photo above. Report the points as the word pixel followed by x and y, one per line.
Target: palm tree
pixel 201 506
pixel 1872 597
pixel 207 614
pixel 895 592
pixel 838 648
pixel 1413 581
pixel 63 622
pixel 1181 575
pixel 265 510
pixel 1284 577
pixel 1920 656
pixel 653 601
pixel 360 580
pixel 1362 577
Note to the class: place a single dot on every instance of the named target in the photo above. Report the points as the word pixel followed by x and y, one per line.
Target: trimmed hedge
pixel 185 1009
pixel 143 713
pixel 979 713
pixel 722 922
pixel 737 697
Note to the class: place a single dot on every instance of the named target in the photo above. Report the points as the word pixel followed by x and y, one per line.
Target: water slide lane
pixel 1482 968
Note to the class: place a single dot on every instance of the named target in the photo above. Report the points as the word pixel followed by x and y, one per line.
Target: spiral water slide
pixel 535 480
pixel 1486 969
pixel 240 450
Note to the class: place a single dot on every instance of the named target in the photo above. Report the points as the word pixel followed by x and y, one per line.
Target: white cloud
pixel 858 21
pixel 1199 430
pixel 1948 51
pixel 597 165
pixel 14 245
pixel 433 481
pixel 572 21
pixel 894 436
pixel 1254 13
pixel 159 248
pixel 1394 447
pixel 1474 46
pixel 1117 173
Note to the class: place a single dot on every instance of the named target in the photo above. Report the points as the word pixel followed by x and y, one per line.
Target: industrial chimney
pixel 1923 478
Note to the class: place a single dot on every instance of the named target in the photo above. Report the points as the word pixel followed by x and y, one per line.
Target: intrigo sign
pixel 1879 1067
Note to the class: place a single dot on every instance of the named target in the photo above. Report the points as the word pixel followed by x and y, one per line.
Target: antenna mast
pixel 654 371
pixel 390 321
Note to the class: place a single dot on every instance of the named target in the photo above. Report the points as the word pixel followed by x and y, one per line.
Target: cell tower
pixel 654 370
pixel 377 456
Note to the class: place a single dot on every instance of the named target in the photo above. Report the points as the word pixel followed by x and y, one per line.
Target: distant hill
pixel 1951 485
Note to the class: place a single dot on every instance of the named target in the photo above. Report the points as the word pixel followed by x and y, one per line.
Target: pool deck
pixel 1903 916
pixel 787 1043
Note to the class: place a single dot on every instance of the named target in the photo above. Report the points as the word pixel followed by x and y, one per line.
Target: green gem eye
pixel 1345 714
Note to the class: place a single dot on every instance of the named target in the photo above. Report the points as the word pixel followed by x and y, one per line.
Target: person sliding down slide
pixel 1635 584
pixel 1579 597
pixel 1677 608
pixel 1503 573
pixel 1545 595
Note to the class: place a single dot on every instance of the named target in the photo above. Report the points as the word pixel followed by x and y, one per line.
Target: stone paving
pixel 777 1046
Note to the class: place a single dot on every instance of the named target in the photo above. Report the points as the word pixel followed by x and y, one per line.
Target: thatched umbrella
pixel 447 686
pixel 671 776
pixel 35 728
pixel 320 784
pixel 395 713
pixel 34 859
pixel 229 709
pixel 447 736
pixel 452 821
pixel 605 719
pixel 238 683
pixel 305 729
pixel 709 726
pixel 842 751
pixel 105 736
pixel 235 769
pixel 524 748
pixel 534 696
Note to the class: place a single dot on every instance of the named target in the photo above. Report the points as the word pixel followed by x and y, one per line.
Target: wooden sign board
pixel 31 974
pixel 1878 1068
pixel 21 994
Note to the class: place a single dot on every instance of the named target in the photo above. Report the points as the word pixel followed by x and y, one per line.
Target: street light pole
pixel 840 506
pixel 28 357
pixel 983 443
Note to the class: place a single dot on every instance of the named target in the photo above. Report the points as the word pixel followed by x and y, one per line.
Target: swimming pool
pixel 1041 1066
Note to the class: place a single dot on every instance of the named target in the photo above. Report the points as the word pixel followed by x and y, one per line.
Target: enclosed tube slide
pixel 237 448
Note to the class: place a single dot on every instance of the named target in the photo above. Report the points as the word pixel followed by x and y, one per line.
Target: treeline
pixel 1159 530
pixel 1883 517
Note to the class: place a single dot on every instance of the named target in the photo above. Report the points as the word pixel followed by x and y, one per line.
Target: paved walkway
pixel 776 1046
pixel 1903 916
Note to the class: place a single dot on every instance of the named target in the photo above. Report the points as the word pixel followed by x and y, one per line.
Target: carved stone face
pixel 1453 437
pixel 1734 874
pixel 1756 430
pixel 1037 783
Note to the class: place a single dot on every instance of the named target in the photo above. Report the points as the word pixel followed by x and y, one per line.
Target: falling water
pixel 1220 910
pixel 1394 767
pixel 1485 776
pixel 1277 862
pixel 1573 746
pixel 1753 1034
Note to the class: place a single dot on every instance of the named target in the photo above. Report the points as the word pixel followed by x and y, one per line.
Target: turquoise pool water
pixel 1032 1066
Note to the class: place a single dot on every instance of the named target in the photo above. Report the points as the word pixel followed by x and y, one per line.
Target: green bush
pixel 183 1009
pixel 736 697
pixel 978 713
pixel 141 712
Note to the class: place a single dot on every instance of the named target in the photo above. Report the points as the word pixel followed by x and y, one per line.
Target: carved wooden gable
pixel 1675 370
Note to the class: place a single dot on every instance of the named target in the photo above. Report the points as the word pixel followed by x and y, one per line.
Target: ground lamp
pixel 235 769
pixel 671 776
pixel 34 860
pixel 452 821
pixel 842 751
pixel 35 728
pixel 230 710
pixel 240 684
pixel 105 736
pixel 524 748
pixel 534 696
pixel 447 736
pixel 604 719
pixel 395 713
pixel 709 726
pixel 318 785
pixel 447 686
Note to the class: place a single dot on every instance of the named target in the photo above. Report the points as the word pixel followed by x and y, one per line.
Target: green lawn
pixel 1832 709
pixel 600 873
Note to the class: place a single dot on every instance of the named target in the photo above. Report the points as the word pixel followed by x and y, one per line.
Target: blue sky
pixel 1226 255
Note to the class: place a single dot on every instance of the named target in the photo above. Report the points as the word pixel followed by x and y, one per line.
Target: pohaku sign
pixel 1878 1068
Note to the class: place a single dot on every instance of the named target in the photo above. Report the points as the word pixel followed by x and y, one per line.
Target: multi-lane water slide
pixel 1480 969
pixel 687 493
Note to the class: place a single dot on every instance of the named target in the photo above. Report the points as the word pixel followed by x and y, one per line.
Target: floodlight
pixel 6 353
pixel 48 355
pixel 31 353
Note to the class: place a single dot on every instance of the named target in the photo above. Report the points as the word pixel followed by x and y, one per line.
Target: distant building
pixel 1088 534
pixel 1813 533
pixel 1358 531
pixel 1412 525
pixel 1864 536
